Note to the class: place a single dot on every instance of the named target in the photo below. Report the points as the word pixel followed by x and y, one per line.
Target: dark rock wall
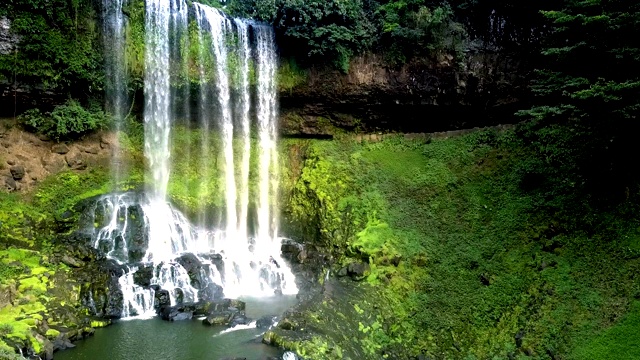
pixel 484 89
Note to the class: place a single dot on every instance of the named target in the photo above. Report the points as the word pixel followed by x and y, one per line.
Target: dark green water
pixel 163 340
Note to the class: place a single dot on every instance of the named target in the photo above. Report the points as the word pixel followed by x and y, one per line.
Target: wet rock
pixel 62 344
pixel 47 347
pixel 115 300
pixel 179 296
pixel 237 304
pixel 286 324
pixel 293 251
pixel 178 312
pixel 211 292
pixel 342 272
pixel 357 270
pixel 136 234
pixel 143 276
pixel 192 265
pixel 60 149
pixel 183 316
pixel 218 318
pixel 232 305
pixel 17 172
pixel 72 262
pixel 216 260
pixel 265 322
pixel 162 299
pixel 239 319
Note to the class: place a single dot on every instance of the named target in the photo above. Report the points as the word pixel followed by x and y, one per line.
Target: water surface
pixel 163 340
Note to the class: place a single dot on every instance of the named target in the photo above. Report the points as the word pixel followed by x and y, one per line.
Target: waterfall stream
pixel 166 255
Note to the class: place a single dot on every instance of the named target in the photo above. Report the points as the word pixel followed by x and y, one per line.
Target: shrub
pixel 5 329
pixel 67 121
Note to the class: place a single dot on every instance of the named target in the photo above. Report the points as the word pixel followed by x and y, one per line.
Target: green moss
pixel 32 283
pixel 52 333
pixel 476 265
pixel 60 193
pixel 35 344
pixel 100 323
pixel 290 75
pixel 617 342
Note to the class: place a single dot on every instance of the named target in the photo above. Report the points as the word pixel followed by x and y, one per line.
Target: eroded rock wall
pixel 484 89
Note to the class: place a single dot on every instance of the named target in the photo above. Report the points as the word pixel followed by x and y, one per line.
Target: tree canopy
pixel 588 95
pixel 59 45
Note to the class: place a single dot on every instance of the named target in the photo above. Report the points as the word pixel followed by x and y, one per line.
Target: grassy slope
pixel 481 261
pixel 33 288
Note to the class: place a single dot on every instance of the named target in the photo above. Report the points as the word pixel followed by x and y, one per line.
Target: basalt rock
pixel 356 270
pixel 239 319
pixel 266 321
pixel 192 265
pixel 162 299
pixel 178 312
pixel 211 292
pixel 60 148
pixel 10 184
pixel 17 172
pixel 483 88
pixel 144 274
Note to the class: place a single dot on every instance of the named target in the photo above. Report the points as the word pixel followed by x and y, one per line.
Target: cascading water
pixel 113 29
pixel 157 117
pixel 167 258
pixel 245 126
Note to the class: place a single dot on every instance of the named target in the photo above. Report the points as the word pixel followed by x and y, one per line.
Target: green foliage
pixel 59 45
pixel 581 129
pixel 135 43
pixel 617 342
pixel 290 75
pixel 5 329
pixel 195 185
pixel 329 30
pixel 68 121
pixel 481 257
pixel 9 354
pixel 413 28
pixel 60 193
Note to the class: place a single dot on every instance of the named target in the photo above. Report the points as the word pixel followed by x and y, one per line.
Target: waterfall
pixel 115 66
pixel 157 115
pixel 137 301
pixel 266 134
pixel 211 20
pixel 245 126
pixel 163 254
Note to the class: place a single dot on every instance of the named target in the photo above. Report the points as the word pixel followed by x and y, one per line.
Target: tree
pixel 588 95
pixel 334 30
pixel 59 45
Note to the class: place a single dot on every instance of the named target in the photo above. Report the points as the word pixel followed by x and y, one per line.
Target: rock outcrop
pixel 483 89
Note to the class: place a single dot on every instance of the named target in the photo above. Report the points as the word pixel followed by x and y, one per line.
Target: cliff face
pixel 486 88
pixel 483 88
